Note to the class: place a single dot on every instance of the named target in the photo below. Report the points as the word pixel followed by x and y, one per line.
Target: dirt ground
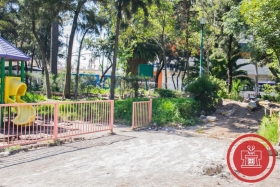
pixel 194 156
pixel 242 121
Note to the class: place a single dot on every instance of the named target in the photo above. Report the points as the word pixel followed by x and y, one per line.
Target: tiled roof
pixel 9 52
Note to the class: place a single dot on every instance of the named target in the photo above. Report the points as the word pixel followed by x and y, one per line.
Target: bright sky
pixel 85 54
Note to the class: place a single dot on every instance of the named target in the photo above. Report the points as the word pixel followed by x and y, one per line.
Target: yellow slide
pixel 14 87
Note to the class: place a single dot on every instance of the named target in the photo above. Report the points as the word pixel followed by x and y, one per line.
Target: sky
pixel 86 54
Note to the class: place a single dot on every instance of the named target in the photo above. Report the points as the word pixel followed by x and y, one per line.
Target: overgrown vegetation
pixel 166 93
pixel 165 111
pixel 269 129
pixel 205 89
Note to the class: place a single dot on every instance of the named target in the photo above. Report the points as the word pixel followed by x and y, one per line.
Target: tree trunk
pixel 229 65
pixel 31 69
pixel 42 51
pixel 54 47
pixel 104 73
pixel 26 76
pixel 67 87
pixel 114 64
pixel 173 74
pixel 178 81
pixel 187 66
pixel 275 74
pixel 78 65
pixel 164 57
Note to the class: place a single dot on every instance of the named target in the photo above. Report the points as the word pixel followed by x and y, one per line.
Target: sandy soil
pixel 242 121
pixel 167 157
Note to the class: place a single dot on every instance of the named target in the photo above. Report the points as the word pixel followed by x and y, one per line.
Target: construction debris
pixel 229 113
pixel 252 105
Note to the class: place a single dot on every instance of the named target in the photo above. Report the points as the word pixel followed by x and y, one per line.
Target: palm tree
pixel 219 67
pixel 127 8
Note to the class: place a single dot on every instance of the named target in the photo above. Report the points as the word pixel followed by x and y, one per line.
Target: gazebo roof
pixel 9 52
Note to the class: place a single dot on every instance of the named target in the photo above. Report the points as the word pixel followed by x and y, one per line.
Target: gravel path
pixel 144 158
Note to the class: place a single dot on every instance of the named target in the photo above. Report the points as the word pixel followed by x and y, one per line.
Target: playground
pixel 25 123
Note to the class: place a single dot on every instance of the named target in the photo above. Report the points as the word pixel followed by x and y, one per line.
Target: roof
pixel 9 52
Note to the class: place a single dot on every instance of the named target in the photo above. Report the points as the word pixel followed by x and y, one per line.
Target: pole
pixel 10 67
pixel 22 71
pixel 201 51
pixel 2 79
pixel 2 89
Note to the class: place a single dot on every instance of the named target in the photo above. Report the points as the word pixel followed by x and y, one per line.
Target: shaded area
pixel 37 154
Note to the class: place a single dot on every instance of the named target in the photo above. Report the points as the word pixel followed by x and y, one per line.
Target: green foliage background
pixel 165 111
pixel 269 129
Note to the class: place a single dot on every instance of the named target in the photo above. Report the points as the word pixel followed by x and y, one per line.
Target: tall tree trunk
pixel 275 74
pixel 78 65
pixel 67 87
pixel 164 57
pixel 229 65
pixel 32 61
pixel 54 47
pixel 104 73
pixel 187 66
pixel 178 81
pixel 42 51
pixel 113 73
pixel 173 74
pixel 26 76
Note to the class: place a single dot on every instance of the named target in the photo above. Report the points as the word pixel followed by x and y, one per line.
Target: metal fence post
pixel 112 116
pixel 133 118
pixel 150 110
pixel 55 121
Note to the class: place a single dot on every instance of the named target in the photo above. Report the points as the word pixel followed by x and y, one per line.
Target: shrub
pixel 205 89
pixel 123 110
pixel 165 111
pixel 269 129
pixel 269 97
pixel 31 97
pixel 166 93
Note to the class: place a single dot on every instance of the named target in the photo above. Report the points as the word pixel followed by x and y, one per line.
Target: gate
pixel 141 114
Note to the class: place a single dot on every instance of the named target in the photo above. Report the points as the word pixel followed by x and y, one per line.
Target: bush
pixel 30 97
pixel 205 89
pixel 165 111
pixel 123 110
pixel 166 93
pixel 269 129
pixel 269 97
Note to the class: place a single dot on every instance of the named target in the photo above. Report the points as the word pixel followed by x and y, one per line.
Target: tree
pixel 263 17
pixel 37 17
pixel 56 8
pixel 185 15
pixel 92 25
pixel 102 48
pixel 67 87
pixel 124 7
pixel 143 51
pixel 227 23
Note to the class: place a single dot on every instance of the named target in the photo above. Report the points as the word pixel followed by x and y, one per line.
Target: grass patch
pixel 269 129
pixel 166 111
